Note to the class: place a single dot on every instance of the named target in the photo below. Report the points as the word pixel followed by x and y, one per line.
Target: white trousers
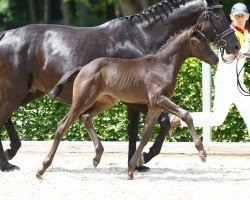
pixel 226 94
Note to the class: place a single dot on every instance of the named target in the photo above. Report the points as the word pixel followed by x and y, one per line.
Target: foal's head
pixel 200 48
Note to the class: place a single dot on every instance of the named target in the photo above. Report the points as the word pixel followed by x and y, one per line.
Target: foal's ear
pixel 198 26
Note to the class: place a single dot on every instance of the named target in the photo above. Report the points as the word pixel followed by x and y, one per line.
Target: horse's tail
pixel 60 85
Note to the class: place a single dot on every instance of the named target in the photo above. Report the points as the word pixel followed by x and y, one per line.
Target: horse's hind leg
pixel 166 104
pixel 100 105
pixel 152 116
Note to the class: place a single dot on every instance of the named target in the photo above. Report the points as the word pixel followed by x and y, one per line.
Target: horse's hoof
pixel 7 167
pixel 142 168
pixel 95 163
pixel 6 154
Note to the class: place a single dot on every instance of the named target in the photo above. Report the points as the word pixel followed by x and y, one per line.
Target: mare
pixel 150 80
pixel 33 58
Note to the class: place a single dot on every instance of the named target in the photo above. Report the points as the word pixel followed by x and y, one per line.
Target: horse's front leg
pixel 15 142
pixel 166 104
pixel 152 116
pixel 8 105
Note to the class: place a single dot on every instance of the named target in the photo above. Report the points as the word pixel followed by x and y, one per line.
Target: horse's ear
pixel 212 1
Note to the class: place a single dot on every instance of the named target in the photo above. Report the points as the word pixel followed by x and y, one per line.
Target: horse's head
pixel 200 48
pixel 216 27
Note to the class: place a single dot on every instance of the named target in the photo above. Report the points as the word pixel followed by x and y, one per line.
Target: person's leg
pixel 243 105
pixel 222 101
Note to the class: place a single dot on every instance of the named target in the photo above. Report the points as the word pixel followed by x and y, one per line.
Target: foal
pixel 150 80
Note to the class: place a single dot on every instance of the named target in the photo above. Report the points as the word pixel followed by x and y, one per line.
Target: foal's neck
pixel 176 50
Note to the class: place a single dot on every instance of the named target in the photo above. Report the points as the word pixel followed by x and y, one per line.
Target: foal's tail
pixel 61 83
pixel 2 34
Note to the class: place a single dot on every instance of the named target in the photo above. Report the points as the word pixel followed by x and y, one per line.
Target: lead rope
pixel 239 86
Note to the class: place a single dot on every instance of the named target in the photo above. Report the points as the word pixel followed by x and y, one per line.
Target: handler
pixel 226 90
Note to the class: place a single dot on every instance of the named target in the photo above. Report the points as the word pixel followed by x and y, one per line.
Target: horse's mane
pixel 166 7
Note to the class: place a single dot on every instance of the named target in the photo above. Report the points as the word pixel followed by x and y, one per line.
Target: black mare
pixel 33 58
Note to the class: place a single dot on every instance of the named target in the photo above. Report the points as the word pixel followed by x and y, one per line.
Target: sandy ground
pixel 72 176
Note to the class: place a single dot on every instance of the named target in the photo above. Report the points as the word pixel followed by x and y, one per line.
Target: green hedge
pixel 37 121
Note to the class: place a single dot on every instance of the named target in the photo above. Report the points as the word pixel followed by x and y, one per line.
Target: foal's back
pixel 123 79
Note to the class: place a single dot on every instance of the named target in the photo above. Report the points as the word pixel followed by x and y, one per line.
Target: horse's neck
pixel 157 32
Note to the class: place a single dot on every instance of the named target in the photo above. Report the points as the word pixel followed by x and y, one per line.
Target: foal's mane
pixel 174 36
pixel 164 7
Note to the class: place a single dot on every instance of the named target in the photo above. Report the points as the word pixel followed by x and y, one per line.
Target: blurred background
pixel 16 13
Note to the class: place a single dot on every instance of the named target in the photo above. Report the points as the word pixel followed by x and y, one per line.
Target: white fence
pixel 206 99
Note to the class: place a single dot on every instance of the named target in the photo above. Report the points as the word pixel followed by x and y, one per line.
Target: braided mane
pixel 167 6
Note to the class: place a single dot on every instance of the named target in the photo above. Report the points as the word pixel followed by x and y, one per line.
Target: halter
pixel 219 41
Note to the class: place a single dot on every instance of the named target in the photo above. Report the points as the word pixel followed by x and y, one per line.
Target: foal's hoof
pixel 95 163
pixel 38 175
pixel 130 176
pixel 142 168
pixel 203 156
pixel 7 167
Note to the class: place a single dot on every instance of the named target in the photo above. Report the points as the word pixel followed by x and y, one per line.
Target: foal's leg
pixel 62 127
pixel 157 145
pixel 165 103
pixel 152 116
pixel 133 117
pixel 84 96
pixel 100 105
